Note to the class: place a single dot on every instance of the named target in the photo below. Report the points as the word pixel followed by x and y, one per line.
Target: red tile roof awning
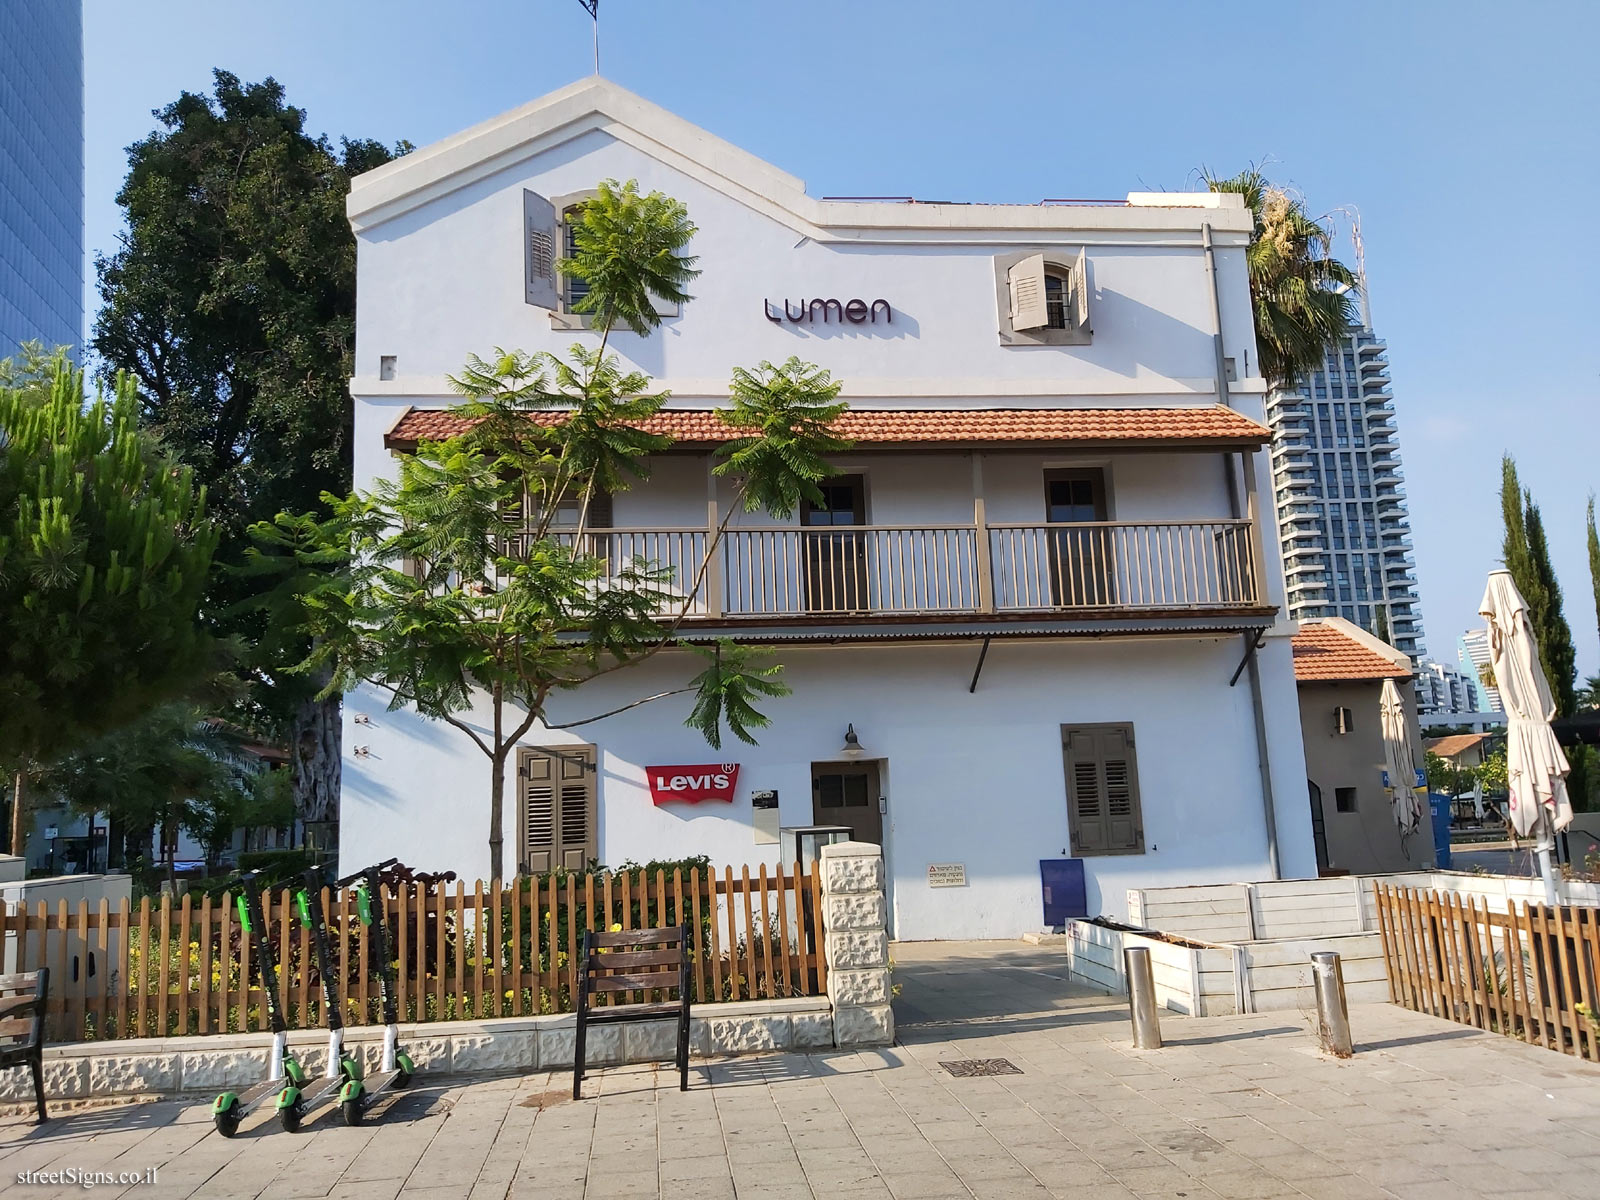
pixel 1322 654
pixel 1201 426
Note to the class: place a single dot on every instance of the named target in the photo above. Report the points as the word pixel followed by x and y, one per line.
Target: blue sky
pixel 1464 133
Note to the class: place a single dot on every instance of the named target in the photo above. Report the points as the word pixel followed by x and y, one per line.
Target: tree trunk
pixel 497 797
pixel 18 803
pixel 314 763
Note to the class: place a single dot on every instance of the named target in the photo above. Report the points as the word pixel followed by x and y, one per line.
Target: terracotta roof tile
pixel 1322 654
pixel 1455 743
pixel 1207 424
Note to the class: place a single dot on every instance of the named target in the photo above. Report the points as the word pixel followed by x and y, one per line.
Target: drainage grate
pixel 967 1068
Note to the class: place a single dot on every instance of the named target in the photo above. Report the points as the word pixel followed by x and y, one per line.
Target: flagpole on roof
pixel 593 9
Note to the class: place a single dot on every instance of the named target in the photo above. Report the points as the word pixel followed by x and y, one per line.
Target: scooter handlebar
pixel 366 871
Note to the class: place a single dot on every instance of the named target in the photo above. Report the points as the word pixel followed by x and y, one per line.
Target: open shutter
pixel 540 237
pixel 1026 282
pixel 536 820
pixel 1080 293
pixel 665 307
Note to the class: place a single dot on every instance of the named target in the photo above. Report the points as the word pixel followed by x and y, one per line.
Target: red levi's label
pixel 707 781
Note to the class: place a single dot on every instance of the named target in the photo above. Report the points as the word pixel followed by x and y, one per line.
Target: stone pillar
pixel 855 919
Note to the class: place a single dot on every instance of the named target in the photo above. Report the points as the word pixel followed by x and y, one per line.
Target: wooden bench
pixel 638 960
pixel 22 999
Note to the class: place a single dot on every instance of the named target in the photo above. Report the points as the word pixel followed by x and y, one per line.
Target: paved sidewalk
pixel 1233 1107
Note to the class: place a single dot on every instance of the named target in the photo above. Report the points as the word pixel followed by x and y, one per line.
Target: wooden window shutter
pixel 1080 293
pixel 556 816
pixel 1103 790
pixel 540 238
pixel 600 510
pixel 1026 282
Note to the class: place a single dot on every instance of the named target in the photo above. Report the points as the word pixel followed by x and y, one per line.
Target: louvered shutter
pixel 537 813
pixel 1026 282
pixel 1080 293
pixel 600 510
pixel 557 813
pixel 540 238
pixel 1103 790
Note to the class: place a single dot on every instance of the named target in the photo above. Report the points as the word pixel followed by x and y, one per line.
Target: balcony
pixel 870 573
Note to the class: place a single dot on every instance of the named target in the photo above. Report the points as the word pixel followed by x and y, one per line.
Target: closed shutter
pixel 1026 281
pixel 556 815
pixel 1103 789
pixel 600 510
pixel 540 231
pixel 1080 293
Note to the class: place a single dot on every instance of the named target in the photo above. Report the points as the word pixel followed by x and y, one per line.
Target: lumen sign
pixel 824 312
pixel 692 784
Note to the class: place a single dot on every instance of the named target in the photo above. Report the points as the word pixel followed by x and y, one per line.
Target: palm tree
pixel 1589 693
pixel 1303 296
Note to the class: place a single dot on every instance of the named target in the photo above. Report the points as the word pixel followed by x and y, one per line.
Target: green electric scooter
pixel 358 1095
pixel 230 1108
pixel 296 1100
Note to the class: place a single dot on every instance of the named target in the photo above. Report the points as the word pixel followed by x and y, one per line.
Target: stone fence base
pixel 220 1062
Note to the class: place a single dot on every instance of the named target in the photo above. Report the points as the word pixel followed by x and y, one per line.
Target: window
pixel 1043 301
pixel 573 289
pixel 1344 800
pixel 556 809
pixel 1103 810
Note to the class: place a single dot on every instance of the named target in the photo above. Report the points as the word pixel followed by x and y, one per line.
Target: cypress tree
pixel 1556 651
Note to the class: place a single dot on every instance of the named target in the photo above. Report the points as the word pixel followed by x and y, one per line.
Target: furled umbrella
pixel 1399 760
pixel 1536 768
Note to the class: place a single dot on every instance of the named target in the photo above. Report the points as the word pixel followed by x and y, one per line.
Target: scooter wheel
pixel 289 1118
pixel 401 1077
pixel 352 1112
pixel 227 1121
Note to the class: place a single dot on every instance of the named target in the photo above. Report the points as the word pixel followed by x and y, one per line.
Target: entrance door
pixel 1080 559
pixel 836 555
pixel 846 793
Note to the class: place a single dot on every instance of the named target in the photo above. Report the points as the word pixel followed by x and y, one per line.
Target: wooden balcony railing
pixel 956 570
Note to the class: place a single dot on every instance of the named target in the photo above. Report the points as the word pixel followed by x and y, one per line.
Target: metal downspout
pixel 1257 707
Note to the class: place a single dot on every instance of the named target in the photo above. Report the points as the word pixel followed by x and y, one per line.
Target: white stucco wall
pixel 975 778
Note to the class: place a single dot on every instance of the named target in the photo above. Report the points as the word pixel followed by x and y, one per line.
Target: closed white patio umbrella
pixel 1399 760
pixel 1536 768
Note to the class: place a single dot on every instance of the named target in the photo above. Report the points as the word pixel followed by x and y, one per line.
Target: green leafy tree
pixel 1445 776
pixel 231 299
pixel 465 587
pixel 105 549
pixel 1301 295
pixel 1492 773
pixel 1589 693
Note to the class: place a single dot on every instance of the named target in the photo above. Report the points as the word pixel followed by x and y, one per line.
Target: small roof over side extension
pixel 1333 650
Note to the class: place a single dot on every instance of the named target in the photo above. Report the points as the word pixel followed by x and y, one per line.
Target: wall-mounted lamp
pixel 852 744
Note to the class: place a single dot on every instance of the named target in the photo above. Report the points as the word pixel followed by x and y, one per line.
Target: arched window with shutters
pixel 557 808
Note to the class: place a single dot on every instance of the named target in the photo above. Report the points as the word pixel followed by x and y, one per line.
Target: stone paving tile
pixel 1232 1107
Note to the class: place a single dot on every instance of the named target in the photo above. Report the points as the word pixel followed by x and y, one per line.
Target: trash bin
pixel 1065 896
pixel 1440 805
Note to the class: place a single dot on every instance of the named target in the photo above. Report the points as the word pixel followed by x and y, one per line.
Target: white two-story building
pixel 1042 597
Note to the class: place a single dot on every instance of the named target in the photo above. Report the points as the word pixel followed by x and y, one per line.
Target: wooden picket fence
pixel 1531 974
pixel 496 950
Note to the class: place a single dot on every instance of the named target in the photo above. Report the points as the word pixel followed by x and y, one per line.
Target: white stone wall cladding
pixel 857 944
pixel 201 1065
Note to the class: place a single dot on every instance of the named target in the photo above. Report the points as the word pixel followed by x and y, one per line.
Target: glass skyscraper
pixel 41 173
pixel 1342 510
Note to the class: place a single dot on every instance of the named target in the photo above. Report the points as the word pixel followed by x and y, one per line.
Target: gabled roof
pixel 1455 743
pixel 1335 651
pixel 1207 426
pixel 596 103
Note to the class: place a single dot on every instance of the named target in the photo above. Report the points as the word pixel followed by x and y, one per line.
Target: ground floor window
pixel 1102 789
pixel 556 808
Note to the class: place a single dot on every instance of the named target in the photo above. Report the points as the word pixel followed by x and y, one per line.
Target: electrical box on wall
pixel 764 817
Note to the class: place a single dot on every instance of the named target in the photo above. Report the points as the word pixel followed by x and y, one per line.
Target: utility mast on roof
pixel 593 9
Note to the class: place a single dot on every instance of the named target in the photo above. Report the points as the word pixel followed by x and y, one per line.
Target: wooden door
pixel 835 551
pixel 1080 560
pixel 846 793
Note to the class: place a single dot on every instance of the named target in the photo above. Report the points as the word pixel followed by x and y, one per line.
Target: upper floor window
pixel 1043 298
pixel 573 289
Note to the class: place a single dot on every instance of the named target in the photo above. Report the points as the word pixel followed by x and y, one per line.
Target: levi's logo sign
pixel 704 781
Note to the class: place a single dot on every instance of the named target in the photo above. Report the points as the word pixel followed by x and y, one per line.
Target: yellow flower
pixel 616 929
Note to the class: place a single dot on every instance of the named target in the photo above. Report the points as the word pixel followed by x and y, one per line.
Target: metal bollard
pixel 1142 998
pixel 1333 1017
